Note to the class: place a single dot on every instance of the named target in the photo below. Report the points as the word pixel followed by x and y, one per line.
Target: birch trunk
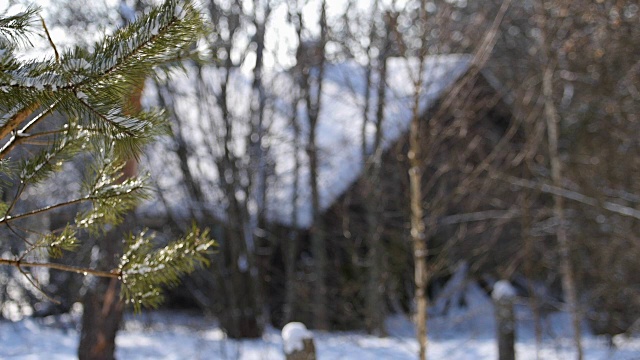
pixel 566 271
pixel 418 227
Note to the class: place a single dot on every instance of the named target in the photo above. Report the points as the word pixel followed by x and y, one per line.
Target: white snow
pixel 171 335
pixel 293 336
pixel 503 290
pixel 340 123
pixel 82 96
pixel 127 12
pixel 460 289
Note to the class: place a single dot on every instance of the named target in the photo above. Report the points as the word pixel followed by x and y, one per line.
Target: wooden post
pixel 298 342
pixel 503 297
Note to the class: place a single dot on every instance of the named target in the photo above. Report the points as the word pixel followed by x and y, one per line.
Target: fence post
pixel 503 296
pixel 298 342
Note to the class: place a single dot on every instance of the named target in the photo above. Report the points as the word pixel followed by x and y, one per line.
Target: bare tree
pixel 569 72
pixel 310 57
pixel 416 171
pixel 232 148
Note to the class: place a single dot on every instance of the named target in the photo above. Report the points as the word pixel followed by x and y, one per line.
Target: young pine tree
pixel 88 87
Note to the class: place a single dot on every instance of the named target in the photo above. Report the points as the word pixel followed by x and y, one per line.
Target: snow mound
pixel 293 336
pixel 503 290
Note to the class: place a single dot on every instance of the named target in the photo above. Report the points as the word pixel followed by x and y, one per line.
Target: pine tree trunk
pixel 102 304
pixel 102 314
pixel 103 307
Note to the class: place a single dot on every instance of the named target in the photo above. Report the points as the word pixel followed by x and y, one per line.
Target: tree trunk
pixel 311 88
pixel 376 309
pixel 291 247
pixel 259 245
pixel 552 119
pixel 418 233
pixel 102 304
pixel 318 242
pixel 102 308
pixel 240 317
pixel 418 239
pixel 566 271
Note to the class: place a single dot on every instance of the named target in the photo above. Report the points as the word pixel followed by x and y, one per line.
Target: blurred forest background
pixel 524 166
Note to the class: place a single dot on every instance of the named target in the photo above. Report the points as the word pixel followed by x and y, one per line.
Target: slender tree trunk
pixel 566 270
pixel 376 309
pixel 318 240
pixel 259 246
pixel 418 236
pixel 292 239
pixel 529 245
pixel 242 318
pixel 418 227
pixel 552 119
pixel 372 303
pixel 311 87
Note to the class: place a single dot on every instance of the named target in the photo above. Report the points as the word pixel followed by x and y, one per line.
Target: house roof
pixel 338 133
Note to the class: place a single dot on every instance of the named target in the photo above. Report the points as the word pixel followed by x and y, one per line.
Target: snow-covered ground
pixel 165 335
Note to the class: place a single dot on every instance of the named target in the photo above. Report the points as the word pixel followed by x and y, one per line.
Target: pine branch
pixel 8 218
pixel 55 242
pixel 88 87
pixel 143 269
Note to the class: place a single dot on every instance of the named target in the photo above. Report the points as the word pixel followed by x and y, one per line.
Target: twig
pixel 18 235
pixel 571 195
pixel 8 218
pixel 62 267
pixel 46 31
pixel 480 216
pixel 36 284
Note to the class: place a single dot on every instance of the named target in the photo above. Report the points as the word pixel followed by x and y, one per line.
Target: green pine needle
pixel 144 270
pixel 16 28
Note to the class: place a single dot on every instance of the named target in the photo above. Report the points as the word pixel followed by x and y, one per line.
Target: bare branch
pixel 570 195
pixel 15 120
pixel 46 31
pixel 36 284
pixel 21 135
pixel 62 267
